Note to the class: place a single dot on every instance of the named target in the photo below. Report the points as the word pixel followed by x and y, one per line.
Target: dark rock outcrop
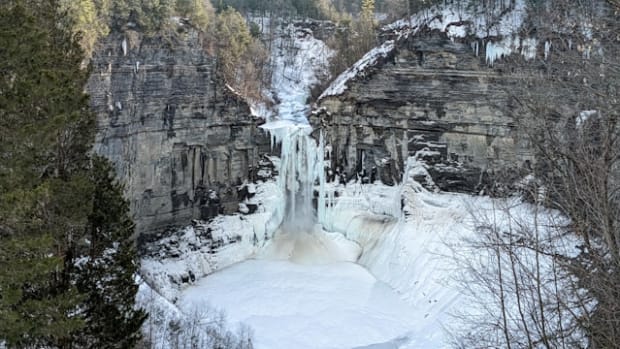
pixel 180 139
pixel 431 95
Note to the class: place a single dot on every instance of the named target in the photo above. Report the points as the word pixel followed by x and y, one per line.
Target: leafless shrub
pixel 201 327
pixel 517 282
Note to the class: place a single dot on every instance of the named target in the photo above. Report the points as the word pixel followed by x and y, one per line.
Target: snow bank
pixel 424 250
pixel 409 239
pixel 169 326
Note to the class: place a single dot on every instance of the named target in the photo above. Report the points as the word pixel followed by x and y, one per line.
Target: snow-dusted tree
pixel 106 276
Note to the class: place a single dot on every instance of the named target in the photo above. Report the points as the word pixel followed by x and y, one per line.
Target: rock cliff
pixel 432 95
pixel 180 139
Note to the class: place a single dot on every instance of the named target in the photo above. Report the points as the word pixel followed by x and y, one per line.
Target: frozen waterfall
pixel 301 166
pixel 299 61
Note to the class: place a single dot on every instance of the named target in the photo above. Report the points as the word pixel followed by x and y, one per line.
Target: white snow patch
pixel 584 116
pixel 299 61
pixel 369 59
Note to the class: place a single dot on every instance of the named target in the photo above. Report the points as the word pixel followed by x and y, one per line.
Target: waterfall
pixel 299 61
pixel 301 166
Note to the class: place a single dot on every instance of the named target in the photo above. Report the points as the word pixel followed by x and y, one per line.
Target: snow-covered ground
pixel 290 305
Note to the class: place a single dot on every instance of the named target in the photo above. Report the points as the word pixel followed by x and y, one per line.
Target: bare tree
pixel 574 105
pixel 554 284
pixel 520 297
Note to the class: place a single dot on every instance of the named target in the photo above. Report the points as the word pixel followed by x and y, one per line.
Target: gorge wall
pixel 180 139
pixel 431 94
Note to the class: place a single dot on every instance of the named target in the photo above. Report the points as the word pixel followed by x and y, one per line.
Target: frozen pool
pixel 305 292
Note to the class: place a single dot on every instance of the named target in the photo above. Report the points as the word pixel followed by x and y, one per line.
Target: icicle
pixel 497 50
pixel 124 47
pixel 363 161
pixel 491 53
pixel 320 168
pixel 528 48
pixel 300 166
pixel 547 49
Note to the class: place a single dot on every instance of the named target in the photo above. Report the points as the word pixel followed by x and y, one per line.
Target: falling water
pixel 299 62
pixel 301 166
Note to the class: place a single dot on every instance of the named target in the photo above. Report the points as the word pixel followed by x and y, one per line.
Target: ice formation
pixel 298 64
pixel 300 166
pixel 298 61
pixel 369 59
pixel 124 47
pixel 510 44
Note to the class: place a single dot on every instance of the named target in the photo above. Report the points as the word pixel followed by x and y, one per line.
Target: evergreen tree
pixel 46 188
pixel 200 12
pixel 148 15
pixel 107 278
pixel 234 39
pixel 45 129
pixel 89 21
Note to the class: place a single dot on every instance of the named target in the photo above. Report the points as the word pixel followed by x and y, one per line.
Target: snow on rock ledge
pixel 198 250
pixel 369 59
pixel 457 21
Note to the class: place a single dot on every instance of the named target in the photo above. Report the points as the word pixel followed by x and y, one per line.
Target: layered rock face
pixel 180 140
pixel 430 95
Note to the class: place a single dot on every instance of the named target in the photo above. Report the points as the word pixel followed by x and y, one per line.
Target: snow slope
pixel 298 61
